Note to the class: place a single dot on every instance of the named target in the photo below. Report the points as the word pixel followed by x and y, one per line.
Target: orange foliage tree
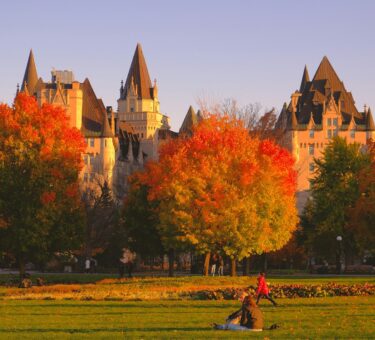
pixel 223 191
pixel 40 160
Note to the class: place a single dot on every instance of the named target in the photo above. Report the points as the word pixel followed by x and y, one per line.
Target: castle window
pixel 335 132
pixel 329 121
pixel 335 122
pixel 352 133
pixel 311 167
pixel 92 142
pixel 304 145
pixel 85 177
pixel 91 159
pixel 311 149
pixel 85 159
pixel 132 109
pixel 311 133
pixel 329 133
pixel 141 135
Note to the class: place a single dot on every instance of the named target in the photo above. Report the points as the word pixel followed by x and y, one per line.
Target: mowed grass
pixel 323 318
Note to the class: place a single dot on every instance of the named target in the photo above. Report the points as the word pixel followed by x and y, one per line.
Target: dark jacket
pixel 252 317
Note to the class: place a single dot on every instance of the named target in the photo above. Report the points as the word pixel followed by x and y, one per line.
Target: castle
pixel 321 109
pixel 119 142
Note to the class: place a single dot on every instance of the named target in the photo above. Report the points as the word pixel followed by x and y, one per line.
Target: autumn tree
pixel 40 159
pixel 222 190
pixel 335 190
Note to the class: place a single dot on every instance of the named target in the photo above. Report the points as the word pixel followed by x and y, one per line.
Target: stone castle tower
pixel 85 111
pixel 321 109
pixel 138 105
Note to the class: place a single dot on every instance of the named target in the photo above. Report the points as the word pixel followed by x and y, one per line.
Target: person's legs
pixel 270 299
pixel 258 298
pixel 213 269
pixel 232 327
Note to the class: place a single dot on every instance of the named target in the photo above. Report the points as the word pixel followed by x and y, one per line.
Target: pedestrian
pixel 87 265
pixel 220 271
pixel 263 290
pixel 213 264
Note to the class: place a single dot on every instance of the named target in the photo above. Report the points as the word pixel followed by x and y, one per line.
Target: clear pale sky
pixel 253 51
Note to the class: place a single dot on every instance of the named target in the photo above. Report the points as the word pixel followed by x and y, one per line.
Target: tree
pixel 222 190
pixel 101 216
pixel 362 215
pixel 335 190
pixel 40 159
pixel 140 221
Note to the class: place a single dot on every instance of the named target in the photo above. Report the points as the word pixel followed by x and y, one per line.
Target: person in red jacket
pixel 263 290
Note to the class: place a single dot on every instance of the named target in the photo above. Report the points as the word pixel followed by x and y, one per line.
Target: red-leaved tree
pixel 222 190
pixel 40 160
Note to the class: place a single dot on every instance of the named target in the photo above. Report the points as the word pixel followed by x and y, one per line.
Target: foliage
pixel 101 217
pixel 362 216
pixel 40 159
pixel 335 189
pixel 222 190
pixel 140 221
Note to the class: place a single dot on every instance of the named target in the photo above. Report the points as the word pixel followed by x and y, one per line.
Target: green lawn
pixel 337 317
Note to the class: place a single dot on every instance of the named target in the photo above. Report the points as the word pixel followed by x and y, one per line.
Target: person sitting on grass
pixel 251 318
pixel 263 290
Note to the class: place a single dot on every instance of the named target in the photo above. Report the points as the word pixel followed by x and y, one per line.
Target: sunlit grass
pixel 336 317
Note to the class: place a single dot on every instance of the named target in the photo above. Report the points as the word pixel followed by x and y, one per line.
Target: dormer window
pixel 352 133
pixel 311 133
pixel 132 109
pixel 335 122
pixel 329 121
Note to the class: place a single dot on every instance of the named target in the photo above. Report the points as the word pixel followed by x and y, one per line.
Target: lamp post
pixel 338 254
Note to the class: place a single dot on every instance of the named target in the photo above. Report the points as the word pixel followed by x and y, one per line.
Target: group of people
pixel 217 264
pixel 249 317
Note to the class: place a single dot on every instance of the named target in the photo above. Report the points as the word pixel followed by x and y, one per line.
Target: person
pixel 213 265
pixel 128 259
pixel 220 271
pixel 251 318
pixel 263 290
pixel 87 265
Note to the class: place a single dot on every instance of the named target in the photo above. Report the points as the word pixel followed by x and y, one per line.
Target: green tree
pixel 334 189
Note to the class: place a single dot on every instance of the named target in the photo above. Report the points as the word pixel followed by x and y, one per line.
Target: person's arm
pixel 234 315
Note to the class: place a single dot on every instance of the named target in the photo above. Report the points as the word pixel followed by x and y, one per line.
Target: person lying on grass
pixel 251 318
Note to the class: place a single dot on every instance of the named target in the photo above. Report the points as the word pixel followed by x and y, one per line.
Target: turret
pixel 30 77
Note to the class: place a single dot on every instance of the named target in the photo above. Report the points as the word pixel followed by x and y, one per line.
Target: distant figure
pixel 251 318
pixel 87 265
pixel 220 270
pixel 213 264
pixel 127 261
pixel 263 290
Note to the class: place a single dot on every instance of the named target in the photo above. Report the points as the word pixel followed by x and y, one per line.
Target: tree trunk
pixel 206 267
pixel 246 266
pixel 21 266
pixel 265 264
pixel 233 269
pixel 171 262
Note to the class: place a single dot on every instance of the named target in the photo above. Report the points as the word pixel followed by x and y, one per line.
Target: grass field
pixel 149 288
pixel 323 318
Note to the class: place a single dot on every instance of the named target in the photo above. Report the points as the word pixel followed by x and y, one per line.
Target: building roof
pixel 139 76
pixel 324 88
pixel 190 120
pixel 30 77
pixel 94 115
pixel 305 79
pixel 370 125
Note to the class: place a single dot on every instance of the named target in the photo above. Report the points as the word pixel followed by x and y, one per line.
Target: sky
pixel 251 51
